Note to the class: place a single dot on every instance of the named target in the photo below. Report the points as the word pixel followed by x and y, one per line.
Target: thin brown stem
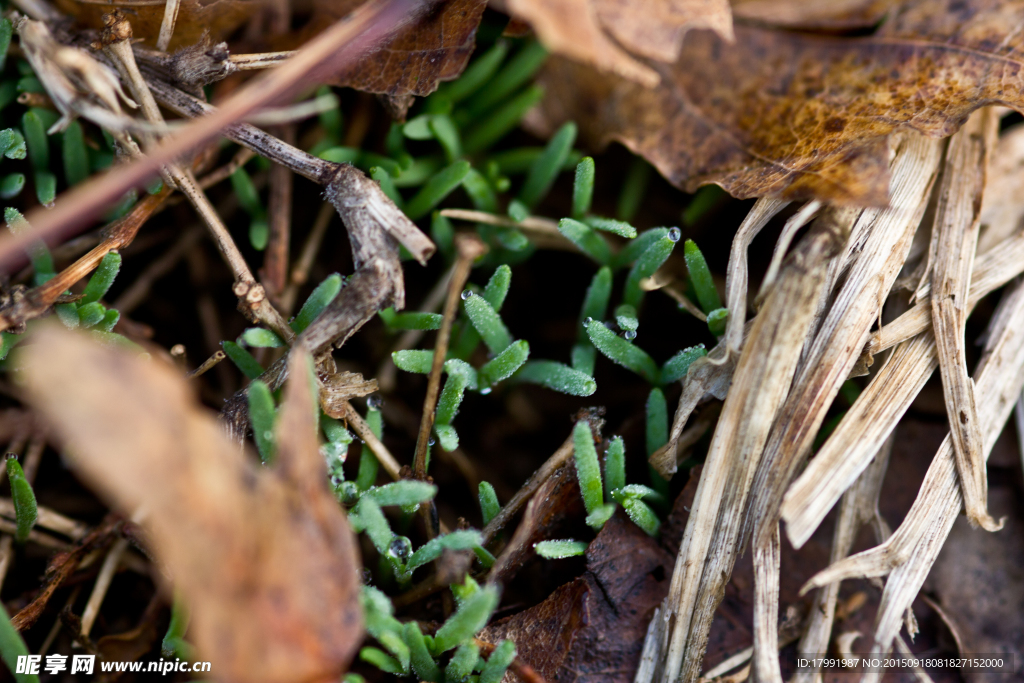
pixel 469 249
pixel 217 357
pixel 163 41
pixel 279 217
pixel 363 431
pixel 240 159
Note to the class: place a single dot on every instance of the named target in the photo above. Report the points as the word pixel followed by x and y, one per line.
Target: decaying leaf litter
pixel 872 129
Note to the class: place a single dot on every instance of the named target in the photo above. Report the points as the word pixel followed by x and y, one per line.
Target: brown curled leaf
pixel 793 115
pixel 258 553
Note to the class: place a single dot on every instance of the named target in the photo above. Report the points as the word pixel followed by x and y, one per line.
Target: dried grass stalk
pixel 956 237
pixel 763 375
pixel 879 245
pixel 910 552
pixel 859 507
pixel 992 269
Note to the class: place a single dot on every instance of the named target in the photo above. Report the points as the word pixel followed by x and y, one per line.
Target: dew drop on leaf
pixel 400 548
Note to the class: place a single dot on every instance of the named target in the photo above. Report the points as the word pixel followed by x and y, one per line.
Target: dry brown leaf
pixel 591 31
pixel 433 48
pixel 195 18
pixel 265 557
pixel 592 629
pixel 795 115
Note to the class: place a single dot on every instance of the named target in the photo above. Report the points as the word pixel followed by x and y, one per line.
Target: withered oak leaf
pixel 797 115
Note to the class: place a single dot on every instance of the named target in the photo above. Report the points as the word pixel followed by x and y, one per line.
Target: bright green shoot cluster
pixel 481 322
pixel 407 651
pixel 600 500
pixel 602 495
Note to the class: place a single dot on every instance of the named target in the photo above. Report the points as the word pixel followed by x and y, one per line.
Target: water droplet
pixel 431 441
pixel 674 234
pixel 629 334
pixel 367 576
pixel 485 391
pixel 349 492
pixel 268 435
pixel 374 402
pixel 400 548
pixel 588 320
pixel 466 294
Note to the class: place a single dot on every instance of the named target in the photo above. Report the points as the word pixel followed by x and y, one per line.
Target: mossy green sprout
pixel 560 549
pixel 622 352
pixel 547 166
pixel 263 416
pixel 704 288
pixel 436 189
pixel 25 510
pixel 588 471
pixel 583 188
pixel 489 505
pixel 12 146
